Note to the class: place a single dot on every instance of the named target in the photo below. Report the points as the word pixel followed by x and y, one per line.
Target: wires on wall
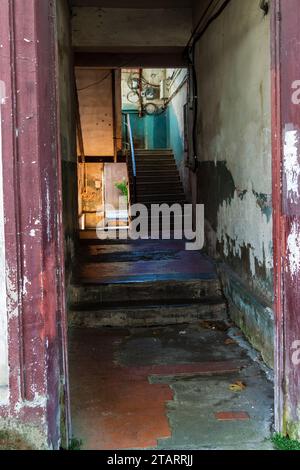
pixel 213 10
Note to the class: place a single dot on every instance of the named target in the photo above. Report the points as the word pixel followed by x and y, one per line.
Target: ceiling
pixel 133 3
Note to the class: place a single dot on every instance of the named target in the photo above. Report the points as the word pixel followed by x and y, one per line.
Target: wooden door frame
pixel 285 51
pixel 34 243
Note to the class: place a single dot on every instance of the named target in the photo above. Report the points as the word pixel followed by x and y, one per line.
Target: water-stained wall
pixel 234 152
pixel 176 120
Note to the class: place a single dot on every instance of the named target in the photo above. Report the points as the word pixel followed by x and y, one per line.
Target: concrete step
pixel 148 291
pixel 156 167
pixel 153 188
pixel 151 164
pixel 153 152
pixel 162 179
pixel 148 205
pixel 155 158
pixel 159 201
pixel 157 173
pixel 157 224
pixel 135 315
pixel 160 198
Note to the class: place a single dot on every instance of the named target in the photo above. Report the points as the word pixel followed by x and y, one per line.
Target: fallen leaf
pixel 215 326
pixel 237 387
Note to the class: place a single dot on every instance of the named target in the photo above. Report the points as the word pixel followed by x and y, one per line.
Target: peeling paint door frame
pixel 285 49
pixel 38 373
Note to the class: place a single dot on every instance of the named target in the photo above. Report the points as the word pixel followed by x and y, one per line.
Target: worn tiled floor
pixel 162 388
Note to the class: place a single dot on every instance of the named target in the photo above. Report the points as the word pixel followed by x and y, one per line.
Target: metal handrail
pixel 131 145
pixel 132 152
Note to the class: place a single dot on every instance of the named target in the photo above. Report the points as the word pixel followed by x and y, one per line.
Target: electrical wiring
pixel 144 81
pixel 124 65
pixel 183 82
pixel 211 20
pixel 195 30
pixel 95 83
pixel 200 29
pixel 172 79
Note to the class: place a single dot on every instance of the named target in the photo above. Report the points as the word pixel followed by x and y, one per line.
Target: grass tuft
pixel 284 443
pixel 75 444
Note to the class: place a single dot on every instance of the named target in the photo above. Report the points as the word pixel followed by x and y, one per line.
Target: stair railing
pixel 129 143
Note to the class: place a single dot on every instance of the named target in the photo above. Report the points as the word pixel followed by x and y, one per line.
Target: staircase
pixel 157 178
pixel 150 282
pixel 143 283
pixel 157 182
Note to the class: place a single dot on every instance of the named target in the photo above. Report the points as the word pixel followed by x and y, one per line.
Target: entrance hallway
pixel 153 355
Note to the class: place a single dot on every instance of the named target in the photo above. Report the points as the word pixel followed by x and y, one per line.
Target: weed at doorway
pixel 284 443
pixel 74 444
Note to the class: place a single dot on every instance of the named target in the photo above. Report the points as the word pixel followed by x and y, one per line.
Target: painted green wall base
pixel 250 313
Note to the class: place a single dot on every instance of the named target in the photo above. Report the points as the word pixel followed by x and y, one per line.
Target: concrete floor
pixel 161 388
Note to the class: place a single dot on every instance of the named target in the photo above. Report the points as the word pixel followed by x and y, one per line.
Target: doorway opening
pixel 153 328
pixel 153 102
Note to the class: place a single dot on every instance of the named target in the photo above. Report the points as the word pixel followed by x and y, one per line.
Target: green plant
pixel 122 186
pixel 75 444
pixel 284 443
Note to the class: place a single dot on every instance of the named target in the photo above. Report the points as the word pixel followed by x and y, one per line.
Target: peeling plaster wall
pixel 176 121
pixel 4 371
pixel 234 149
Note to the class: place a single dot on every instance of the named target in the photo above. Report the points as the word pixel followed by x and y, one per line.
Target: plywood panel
pixel 95 103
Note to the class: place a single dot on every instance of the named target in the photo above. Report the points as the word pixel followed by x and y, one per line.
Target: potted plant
pixel 123 188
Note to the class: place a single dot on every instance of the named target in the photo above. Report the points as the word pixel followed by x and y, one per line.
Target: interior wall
pixel 166 128
pixel 92 196
pixel 67 131
pixel 177 79
pixel 114 173
pixel 149 131
pixel 96 28
pixel 234 172
pixel 96 110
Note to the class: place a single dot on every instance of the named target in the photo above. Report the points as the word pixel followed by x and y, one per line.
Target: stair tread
pixel 210 301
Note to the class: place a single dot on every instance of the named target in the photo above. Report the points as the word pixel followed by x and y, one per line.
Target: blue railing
pixel 129 142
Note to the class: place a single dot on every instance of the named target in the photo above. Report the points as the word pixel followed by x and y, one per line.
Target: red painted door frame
pixel 285 39
pixel 33 215
pixel 38 384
